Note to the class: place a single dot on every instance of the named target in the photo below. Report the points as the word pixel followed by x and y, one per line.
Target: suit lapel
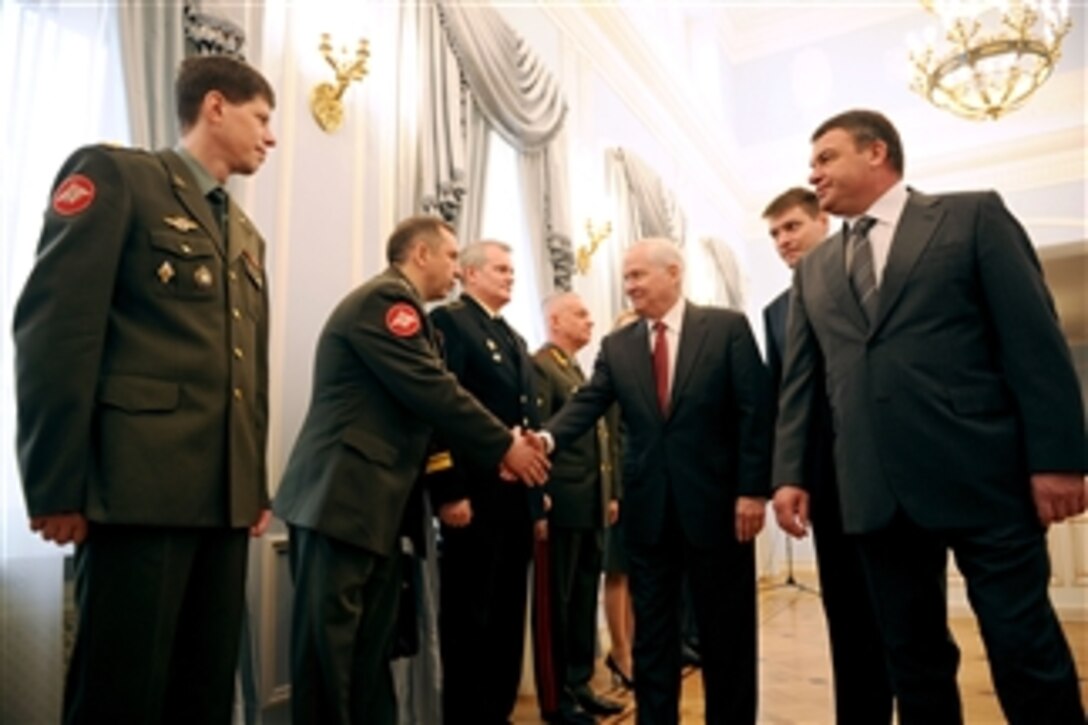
pixel 692 336
pixel 920 219
pixel 838 284
pixel 638 352
pixel 188 193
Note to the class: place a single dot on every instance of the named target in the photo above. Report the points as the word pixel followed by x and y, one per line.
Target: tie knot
pixel 659 327
pixel 861 227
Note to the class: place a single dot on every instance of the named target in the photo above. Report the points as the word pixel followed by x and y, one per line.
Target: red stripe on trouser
pixel 547 688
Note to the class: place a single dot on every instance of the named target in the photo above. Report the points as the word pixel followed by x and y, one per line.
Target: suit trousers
pixel 574 578
pixel 723 593
pixel 1007 570
pixel 484 581
pixel 342 624
pixel 160 613
pixel 863 694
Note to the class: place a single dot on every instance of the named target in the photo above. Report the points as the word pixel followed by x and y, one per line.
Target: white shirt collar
pixel 673 319
pixel 889 207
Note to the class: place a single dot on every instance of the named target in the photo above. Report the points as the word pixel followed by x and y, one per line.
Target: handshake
pixel 526 459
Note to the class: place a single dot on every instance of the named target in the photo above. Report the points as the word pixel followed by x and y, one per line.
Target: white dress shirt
pixel 886 211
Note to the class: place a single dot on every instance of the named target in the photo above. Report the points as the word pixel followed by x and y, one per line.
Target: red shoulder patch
pixel 402 320
pixel 73 195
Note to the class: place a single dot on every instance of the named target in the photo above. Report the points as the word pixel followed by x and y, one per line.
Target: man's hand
pixel 613 512
pixel 749 517
pixel 456 514
pixel 791 510
pixel 525 459
pixel 1058 496
pixel 261 525
pixel 61 528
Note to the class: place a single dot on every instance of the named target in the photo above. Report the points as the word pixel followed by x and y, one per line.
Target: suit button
pixel 238 354
pixel 237 393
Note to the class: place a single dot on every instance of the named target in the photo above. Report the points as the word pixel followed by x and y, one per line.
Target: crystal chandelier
pixel 988 56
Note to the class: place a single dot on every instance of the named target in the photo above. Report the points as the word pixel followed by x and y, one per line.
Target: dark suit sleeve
pixel 796 395
pixel 1034 355
pixel 60 325
pixel 774 355
pixel 751 396
pixel 412 372
pixel 588 404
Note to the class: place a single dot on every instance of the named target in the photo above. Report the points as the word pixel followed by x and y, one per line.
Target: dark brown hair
pixel 201 74
pixel 797 196
pixel 866 127
pixel 403 238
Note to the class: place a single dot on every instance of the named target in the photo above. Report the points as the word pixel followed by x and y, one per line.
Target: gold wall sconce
pixel 597 235
pixel 325 101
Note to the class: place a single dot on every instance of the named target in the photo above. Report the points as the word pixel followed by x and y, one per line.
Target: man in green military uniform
pixel 380 392
pixel 141 384
pixel 584 501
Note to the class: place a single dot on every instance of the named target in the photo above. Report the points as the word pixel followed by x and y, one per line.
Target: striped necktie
pixel 859 266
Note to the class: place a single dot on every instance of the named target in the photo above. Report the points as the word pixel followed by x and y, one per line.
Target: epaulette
pixel 559 357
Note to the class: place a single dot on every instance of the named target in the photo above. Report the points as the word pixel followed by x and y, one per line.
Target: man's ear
pixel 212 107
pixel 878 153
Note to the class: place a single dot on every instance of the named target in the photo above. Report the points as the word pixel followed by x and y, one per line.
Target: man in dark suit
pixel 694 399
pixel 862 692
pixel 957 414
pixel 380 391
pixel 487 525
pixel 584 494
pixel 142 390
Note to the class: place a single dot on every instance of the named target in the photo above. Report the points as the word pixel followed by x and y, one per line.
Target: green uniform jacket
pixel 582 481
pixel 141 350
pixel 380 390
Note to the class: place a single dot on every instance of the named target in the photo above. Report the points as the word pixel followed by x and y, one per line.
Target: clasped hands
pixel 526 459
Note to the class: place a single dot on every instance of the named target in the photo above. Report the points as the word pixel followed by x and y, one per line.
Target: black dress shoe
pixel 593 703
pixel 690 656
pixel 571 714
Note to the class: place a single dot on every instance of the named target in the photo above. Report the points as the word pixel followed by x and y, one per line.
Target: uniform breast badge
pixel 165 272
pixel 203 277
pixel 182 224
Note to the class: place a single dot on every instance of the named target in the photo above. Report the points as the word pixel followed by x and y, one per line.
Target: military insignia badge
pixel 402 320
pixel 181 223
pixel 73 195
pixel 253 268
pixel 165 272
pixel 202 277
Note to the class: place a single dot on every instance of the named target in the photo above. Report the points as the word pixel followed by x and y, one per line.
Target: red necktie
pixel 661 365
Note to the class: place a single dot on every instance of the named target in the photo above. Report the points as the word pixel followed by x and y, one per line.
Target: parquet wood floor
pixel 795 674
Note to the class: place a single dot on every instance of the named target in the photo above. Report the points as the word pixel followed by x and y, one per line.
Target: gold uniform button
pixel 185 248
pixel 236 313
pixel 237 393
pixel 233 275
pixel 238 353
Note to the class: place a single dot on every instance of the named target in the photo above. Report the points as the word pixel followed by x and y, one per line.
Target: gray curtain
pixel 519 99
pixel 656 210
pixel 728 288
pixel 152 45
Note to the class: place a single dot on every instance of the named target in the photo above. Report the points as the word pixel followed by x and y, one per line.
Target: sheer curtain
pixel 60 87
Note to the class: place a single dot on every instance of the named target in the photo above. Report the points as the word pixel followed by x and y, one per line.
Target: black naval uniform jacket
pixel 492 362
pixel 378 397
pixel 141 350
